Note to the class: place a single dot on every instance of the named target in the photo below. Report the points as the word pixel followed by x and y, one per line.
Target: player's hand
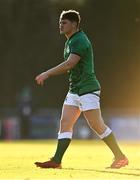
pixel 41 78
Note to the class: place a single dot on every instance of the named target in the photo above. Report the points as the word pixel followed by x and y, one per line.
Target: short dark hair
pixel 71 15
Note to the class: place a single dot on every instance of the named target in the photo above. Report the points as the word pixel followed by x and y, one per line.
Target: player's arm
pixel 72 60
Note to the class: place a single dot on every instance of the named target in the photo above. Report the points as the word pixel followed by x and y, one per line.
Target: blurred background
pixel 30 43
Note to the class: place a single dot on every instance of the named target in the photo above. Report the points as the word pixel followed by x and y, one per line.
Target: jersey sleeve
pixel 78 47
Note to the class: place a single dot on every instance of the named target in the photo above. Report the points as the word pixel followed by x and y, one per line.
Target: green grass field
pixel 84 160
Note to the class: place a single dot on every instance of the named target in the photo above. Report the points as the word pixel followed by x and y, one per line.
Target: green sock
pixel 61 148
pixel 112 144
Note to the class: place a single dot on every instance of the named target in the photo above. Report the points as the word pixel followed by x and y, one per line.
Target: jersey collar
pixel 75 34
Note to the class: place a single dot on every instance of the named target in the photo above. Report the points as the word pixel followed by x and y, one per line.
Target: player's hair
pixel 71 15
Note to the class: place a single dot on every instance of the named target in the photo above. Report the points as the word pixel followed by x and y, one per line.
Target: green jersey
pixel 82 77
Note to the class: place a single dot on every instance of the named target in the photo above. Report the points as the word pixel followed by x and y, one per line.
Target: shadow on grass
pixel 106 171
pixel 133 169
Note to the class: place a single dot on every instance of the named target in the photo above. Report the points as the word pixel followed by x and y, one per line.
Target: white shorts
pixel 85 102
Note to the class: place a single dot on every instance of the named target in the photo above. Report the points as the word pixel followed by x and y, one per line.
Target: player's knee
pixel 64 122
pixel 99 128
pixel 65 125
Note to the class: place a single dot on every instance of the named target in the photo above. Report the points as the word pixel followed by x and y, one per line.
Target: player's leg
pixel 96 122
pixel 92 113
pixel 70 114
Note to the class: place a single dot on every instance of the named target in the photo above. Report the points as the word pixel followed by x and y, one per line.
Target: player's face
pixel 66 26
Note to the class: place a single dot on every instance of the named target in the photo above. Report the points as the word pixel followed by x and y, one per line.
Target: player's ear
pixel 74 24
